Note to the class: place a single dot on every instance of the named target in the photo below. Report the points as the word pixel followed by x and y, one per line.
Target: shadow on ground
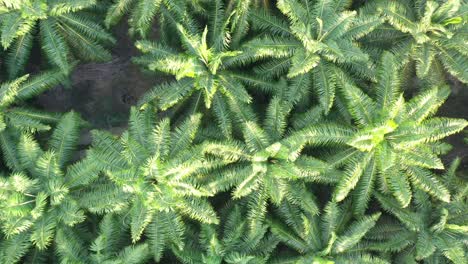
pixel 103 92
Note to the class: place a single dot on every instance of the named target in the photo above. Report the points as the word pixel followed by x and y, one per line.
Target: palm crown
pixel 397 144
pixel 155 171
pixel 200 65
pixel 425 231
pixel 61 27
pixel 37 200
pixel 433 32
pixel 316 40
pixel 228 242
pixel 202 71
pixel 261 168
pixel 330 238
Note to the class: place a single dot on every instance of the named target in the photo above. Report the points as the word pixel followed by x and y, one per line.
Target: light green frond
pixel 140 217
pixel 299 195
pixel 199 209
pixel 399 186
pixel 427 181
pixel 364 188
pixel 183 135
pixel 116 11
pixel 455 62
pixel 106 151
pixel 426 104
pixel 360 105
pixel 168 94
pixel 362 26
pixel 271 47
pixel 71 6
pixel 339 27
pixel 65 138
pixel 141 124
pixel 155 49
pixel 423 157
pixel 14 26
pixel 28 151
pixel 32 114
pixel 355 232
pixel 82 173
pixel 251 182
pixel 9 91
pixel 396 14
pixel 18 55
pixel 255 137
pixel 43 232
pixel 430 130
pixel 322 134
pixel 257 209
pixel 331 220
pixel 234 88
pixel 388 81
pixel 353 174
pixel 39 84
pixel 302 62
pixel 54 45
pixel 276 118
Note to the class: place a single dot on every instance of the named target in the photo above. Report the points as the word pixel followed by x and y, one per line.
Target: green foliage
pixel 155 169
pixel 392 140
pixel 60 26
pixel 330 238
pixel 16 118
pixel 429 32
pixel 231 244
pixel 318 39
pixel 288 131
pixel 37 202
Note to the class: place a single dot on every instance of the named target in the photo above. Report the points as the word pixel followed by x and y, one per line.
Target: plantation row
pixel 288 131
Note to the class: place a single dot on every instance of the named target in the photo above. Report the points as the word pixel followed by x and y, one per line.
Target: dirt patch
pixel 103 92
